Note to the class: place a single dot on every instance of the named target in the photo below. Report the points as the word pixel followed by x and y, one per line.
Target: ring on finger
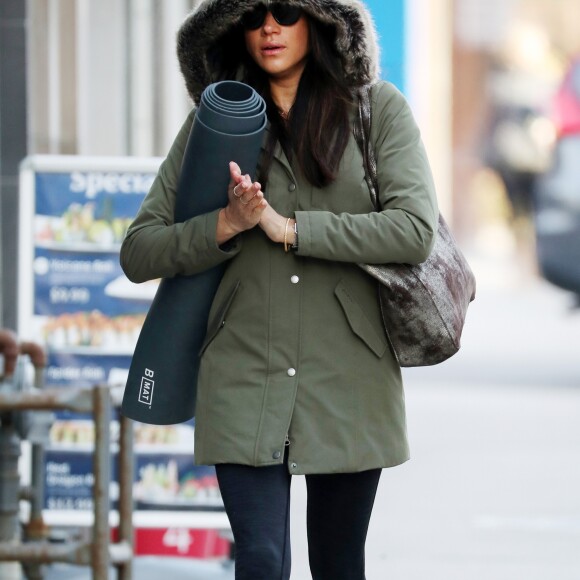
pixel 249 200
pixel 236 194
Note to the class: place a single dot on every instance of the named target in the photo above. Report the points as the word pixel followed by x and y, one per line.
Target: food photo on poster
pixel 163 481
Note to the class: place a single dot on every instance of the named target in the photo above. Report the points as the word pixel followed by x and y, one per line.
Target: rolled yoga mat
pixel 161 388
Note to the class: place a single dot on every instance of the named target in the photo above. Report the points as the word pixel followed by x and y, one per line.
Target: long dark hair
pixel 317 131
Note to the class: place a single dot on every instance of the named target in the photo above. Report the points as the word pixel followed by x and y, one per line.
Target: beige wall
pixel 559 18
pixel 429 75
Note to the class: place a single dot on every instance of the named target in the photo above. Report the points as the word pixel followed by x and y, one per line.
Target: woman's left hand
pixel 277 226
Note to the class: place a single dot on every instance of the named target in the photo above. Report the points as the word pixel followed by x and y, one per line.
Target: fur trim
pixel 356 38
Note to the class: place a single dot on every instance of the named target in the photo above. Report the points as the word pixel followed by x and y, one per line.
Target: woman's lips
pixel 272 50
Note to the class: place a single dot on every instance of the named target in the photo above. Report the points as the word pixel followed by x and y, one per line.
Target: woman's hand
pixel 277 226
pixel 246 204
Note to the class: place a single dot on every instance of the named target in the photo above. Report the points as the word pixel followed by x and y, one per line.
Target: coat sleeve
pixel 404 231
pixel 155 246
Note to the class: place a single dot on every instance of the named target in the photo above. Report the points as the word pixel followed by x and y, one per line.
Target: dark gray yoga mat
pixel 161 388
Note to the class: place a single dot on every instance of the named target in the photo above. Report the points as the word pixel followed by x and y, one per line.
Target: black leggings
pixel 257 502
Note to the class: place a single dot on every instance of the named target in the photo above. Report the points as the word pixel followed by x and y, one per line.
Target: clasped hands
pixel 248 208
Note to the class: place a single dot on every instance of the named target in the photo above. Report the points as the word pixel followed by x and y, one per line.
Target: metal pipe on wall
pixel 101 73
pixel 141 66
pixel 13 146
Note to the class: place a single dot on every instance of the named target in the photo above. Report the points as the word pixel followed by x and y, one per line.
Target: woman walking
pixel 296 373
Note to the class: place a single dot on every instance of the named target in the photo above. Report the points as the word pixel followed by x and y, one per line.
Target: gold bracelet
pixel 286 245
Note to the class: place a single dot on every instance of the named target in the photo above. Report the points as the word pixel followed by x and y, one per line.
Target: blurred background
pixel 493 488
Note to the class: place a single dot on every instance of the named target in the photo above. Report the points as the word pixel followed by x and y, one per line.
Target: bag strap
pixel 362 133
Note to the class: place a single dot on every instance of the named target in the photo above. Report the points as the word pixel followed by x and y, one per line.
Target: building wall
pixel 104 76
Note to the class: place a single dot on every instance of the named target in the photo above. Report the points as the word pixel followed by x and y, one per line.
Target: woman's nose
pixel 270 24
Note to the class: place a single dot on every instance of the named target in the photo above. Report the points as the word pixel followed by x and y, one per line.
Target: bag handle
pixel 362 133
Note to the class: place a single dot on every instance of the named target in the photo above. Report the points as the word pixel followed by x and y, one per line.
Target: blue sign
pixel 88 315
pixel 390 19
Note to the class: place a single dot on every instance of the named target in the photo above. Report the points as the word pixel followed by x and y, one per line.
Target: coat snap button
pixel 294 466
pixel 295 279
pixel 277 455
pixel 291 372
pixel 292 187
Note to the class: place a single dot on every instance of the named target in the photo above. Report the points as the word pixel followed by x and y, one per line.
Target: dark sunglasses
pixel 283 14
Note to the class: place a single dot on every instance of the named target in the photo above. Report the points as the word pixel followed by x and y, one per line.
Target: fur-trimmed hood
pixel 356 38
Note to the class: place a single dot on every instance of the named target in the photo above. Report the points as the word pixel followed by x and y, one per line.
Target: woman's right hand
pixel 245 206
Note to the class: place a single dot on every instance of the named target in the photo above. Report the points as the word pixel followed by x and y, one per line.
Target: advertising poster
pixel 77 303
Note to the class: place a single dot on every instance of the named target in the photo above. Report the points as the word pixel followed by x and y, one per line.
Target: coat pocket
pixel 359 322
pixel 218 320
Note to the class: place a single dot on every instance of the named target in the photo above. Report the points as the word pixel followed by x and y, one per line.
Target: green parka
pixel 295 352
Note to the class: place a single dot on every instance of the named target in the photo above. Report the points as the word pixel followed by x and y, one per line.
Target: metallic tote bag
pixel 423 306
